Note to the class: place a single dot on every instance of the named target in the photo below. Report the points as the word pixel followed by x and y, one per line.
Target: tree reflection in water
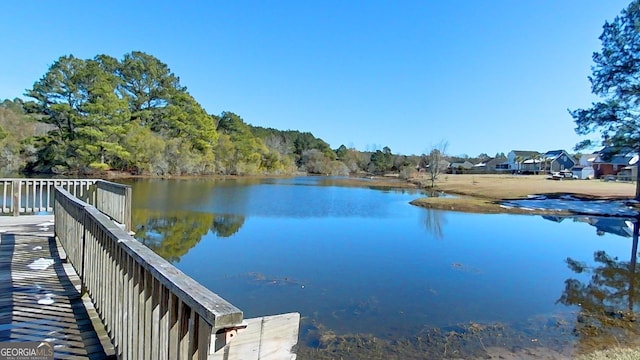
pixel 434 221
pixel 172 235
pixel 609 302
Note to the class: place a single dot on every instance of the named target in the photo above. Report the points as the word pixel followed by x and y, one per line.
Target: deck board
pixel 40 296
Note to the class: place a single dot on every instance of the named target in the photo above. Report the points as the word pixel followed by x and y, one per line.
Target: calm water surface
pixel 360 260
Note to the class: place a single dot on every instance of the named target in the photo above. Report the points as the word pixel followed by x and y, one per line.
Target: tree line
pixel 90 116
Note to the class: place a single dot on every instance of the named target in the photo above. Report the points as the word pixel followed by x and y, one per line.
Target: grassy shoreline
pixel 483 193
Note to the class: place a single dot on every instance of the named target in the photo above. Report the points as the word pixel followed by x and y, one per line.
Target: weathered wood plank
pixel 175 306
pixel 163 337
pixel 264 338
pixel 148 313
pixel 129 299
pixel 155 319
pixel 44 304
pixel 204 332
pixel 183 330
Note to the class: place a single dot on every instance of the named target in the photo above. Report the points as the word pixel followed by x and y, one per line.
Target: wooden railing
pixel 150 308
pixel 30 196
pixel 114 200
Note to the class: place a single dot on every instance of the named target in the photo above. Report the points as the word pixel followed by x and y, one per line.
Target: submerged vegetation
pixel 540 337
pixel 592 332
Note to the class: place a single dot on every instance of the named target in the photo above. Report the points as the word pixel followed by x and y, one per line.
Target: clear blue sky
pixel 485 76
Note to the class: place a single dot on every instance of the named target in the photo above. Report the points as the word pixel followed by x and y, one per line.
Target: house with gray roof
pixel 492 165
pixel 459 167
pixel 557 160
pixel 610 161
pixel 524 161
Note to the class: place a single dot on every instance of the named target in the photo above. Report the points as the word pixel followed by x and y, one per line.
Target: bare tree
pixel 436 161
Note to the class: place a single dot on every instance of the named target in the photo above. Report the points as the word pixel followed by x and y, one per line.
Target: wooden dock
pixel 40 297
pixel 79 281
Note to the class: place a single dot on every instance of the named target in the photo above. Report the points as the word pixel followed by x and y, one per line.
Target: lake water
pixel 364 261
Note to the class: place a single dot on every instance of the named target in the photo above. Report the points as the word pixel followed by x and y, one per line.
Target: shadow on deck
pixel 40 297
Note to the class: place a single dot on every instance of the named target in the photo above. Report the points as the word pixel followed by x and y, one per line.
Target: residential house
pixel 524 161
pixel 629 173
pixel 557 160
pixel 587 159
pixel 584 168
pixel 443 165
pixel 492 165
pixel 459 167
pixel 610 161
pixel 584 173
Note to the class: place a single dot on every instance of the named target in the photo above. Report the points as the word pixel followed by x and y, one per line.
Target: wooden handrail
pixel 28 196
pixel 149 307
pixel 114 200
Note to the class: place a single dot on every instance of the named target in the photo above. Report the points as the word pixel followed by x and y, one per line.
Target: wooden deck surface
pixel 39 293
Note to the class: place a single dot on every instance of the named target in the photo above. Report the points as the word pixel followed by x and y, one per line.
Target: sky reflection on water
pixel 363 260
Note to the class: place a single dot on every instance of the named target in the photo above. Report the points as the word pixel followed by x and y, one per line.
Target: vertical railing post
pixel 15 202
pixel 83 277
pixel 127 208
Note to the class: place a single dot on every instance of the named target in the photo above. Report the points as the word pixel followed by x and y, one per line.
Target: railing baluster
pixel 50 194
pixel 155 320
pixel 5 187
pixel 175 307
pixel 118 279
pixel 15 202
pixel 41 196
pixel 141 312
pixel 27 186
pixel 164 323
pixel 128 354
pixel 30 204
pixel 183 331
pixel 148 312
pixel 204 331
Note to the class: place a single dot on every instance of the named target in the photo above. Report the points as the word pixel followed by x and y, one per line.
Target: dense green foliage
pixel 307 152
pixel 240 152
pixel 615 79
pixel 16 130
pixel 132 115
